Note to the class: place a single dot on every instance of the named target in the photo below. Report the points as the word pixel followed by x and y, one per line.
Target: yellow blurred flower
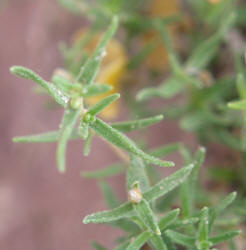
pixel 111 72
pixel 158 59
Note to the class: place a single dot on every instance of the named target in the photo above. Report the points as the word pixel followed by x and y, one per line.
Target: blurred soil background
pixel 39 208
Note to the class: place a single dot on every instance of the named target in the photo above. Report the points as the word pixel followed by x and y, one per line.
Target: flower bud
pixel 135 195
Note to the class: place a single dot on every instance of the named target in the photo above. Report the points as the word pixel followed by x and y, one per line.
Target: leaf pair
pixel 202 240
pixel 158 190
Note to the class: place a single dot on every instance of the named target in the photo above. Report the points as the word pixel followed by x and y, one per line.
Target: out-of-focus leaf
pixel 168 89
pixel 181 239
pixel 112 170
pixel 224 236
pixel 93 63
pixel 97 246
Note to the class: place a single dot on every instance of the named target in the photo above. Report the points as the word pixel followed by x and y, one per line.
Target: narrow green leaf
pixel 92 65
pixel 120 140
pixel 64 84
pixel 166 37
pixel 136 173
pixel 83 130
pixel 51 136
pixel 168 184
pixel 95 89
pixel 224 236
pixel 68 123
pixel 186 202
pixel 203 225
pixel 241 86
pixel 137 124
pixel 168 89
pixel 214 212
pixel 184 223
pixel 168 242
pixel 87 146
pixel 161 188
pixel 165 150
pixel 207 49
pixel 183 75
pixel 108 194
pixel 97 246
pixel 181 239
pixel 199 157
pixel 227 138
pixel 147 216
pixel 168 219
pixel 103 104
pixel 139 241
pixel 107 216
pixel 188 188
pixel 232 245
pixel 26 73
pixel 157 242
pixel 241 104
pixel 112 170
pixel 137 59
pixel 122 246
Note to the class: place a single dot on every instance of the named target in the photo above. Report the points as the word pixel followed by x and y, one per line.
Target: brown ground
pixel 39 208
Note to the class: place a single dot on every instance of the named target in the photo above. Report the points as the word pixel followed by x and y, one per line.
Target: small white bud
pixel 135 195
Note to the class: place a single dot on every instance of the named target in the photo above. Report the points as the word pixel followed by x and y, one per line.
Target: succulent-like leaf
pixel 139 241
pixel 87 146
pixel 51 136
pixel 224 236
pixel 124 210
pixel 157 242
pixel 129 126
pixel 181 239
pixel 240 105
pixel 95 89
pixel 203 225
pixel 168 89
pixel 120 140
pixel 214 212
pixel 91 67
pixel 146 214
pixel 207 49
pixel 168 184
pixel 69 120
pixel 137 173
pixel 168 219
pixel 101 105
pixel 56 93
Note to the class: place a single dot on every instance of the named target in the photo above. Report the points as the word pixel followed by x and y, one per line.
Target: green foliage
pixel 175 211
